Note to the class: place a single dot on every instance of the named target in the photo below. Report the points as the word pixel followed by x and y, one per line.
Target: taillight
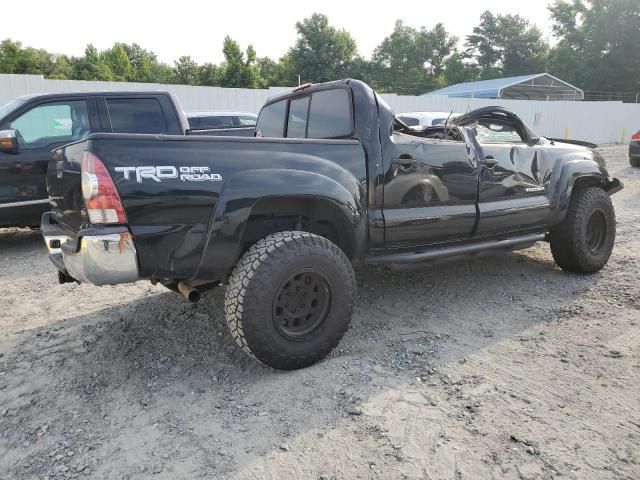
pixel 100 195
pixel 636 137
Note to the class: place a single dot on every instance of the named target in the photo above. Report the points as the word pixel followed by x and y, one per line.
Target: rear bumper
pixel 107 258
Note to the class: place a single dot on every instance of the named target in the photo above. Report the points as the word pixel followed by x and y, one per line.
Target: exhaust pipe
pixel 188 291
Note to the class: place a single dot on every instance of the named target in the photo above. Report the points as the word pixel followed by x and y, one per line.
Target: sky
pixel 197 28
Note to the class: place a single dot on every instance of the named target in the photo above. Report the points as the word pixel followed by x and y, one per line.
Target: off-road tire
pixel 259 276
pixel 569 239
pixel 635 162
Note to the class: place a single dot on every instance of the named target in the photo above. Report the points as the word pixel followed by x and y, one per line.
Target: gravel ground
pixel 500 367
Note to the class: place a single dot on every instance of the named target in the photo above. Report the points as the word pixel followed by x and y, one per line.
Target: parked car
pixel 32 126
pixel 280 219
pixel 634 150
pixel 238 124
pixel 426 119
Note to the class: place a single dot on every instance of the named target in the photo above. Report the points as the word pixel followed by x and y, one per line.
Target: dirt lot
pixel 501 367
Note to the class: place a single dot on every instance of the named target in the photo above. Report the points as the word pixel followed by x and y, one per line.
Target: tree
pixel 458 70
pixel 210 74
pixel 443 45
pixel 411 60
pixel 61 69
pixel 238 71
pixel 186 71
pixel 119 64
pixel 506 45
pixel 321 52
pixel 144 63
pixel 9 53
pixel 92 66
pixel 598 45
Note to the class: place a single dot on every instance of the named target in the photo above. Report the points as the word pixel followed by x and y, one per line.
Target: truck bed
pixel 173 213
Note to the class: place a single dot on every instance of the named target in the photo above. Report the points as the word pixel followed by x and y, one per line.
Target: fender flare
pixel 242 192
pixel 573 171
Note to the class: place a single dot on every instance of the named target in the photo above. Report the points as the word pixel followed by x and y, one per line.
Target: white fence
pixel 599 122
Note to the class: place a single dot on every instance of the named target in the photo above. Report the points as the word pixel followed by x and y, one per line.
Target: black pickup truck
pixel 32 126
pixel 332 178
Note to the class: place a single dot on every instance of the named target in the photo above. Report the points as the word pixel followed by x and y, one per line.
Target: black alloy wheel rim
pixel 301 304
pixel 596 231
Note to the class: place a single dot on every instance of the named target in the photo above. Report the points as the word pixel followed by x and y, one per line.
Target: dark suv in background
pixel 634 150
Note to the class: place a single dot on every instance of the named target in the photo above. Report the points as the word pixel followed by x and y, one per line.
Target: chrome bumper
pixel 99 259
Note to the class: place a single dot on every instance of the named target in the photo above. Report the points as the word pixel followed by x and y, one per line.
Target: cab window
pixel 330 114
pixel 136 115
pixel 53 122
pixel 297 120
pixel 488 132
pixel 271 120
pixel 324 114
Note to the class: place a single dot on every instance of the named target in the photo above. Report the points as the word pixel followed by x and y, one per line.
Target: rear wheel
pixel 583 241
pixel 290 299
pixel 635 162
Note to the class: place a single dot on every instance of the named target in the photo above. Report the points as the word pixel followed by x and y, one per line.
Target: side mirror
pixel 8 141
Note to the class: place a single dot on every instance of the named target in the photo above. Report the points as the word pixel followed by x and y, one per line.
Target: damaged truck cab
pixel 331 178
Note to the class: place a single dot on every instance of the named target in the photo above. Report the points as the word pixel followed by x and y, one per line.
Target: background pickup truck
pixel 32 126
pixel 336 178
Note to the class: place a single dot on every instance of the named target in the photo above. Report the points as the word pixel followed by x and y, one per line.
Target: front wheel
pixel 290 299
pixel 635 162
pixel 583 241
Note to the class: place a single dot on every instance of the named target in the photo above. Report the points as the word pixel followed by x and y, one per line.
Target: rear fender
pixel 243 191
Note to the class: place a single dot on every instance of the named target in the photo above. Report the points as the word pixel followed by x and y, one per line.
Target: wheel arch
pixel 575 174
pixel 273 198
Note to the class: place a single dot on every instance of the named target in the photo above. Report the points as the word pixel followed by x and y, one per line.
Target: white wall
pixel 599 122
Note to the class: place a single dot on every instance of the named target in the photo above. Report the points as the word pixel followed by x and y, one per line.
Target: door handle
pixel 404 162
pixel 490 161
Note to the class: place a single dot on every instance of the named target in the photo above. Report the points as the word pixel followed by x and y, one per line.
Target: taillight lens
pixel 636 137
pixel 100 195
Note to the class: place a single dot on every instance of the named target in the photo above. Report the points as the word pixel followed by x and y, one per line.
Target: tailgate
pixel 64 186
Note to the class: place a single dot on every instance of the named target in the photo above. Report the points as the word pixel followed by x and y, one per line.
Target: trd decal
pixel 160 173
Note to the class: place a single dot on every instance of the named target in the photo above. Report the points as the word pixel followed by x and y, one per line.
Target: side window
pixel 330 114
pixel 297 121
pixel 271 120
pixel 410 121
pixel 52 123
pixel 136 115
pixel 218 121
pixel 497 133
pixel 247 120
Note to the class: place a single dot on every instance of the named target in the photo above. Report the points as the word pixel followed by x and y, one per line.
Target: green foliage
pixel 413 61
pixel 119 63
pixel 186 71
pixel 506 45
pixel 599 45
pixel 239 69
pixel 597 49
pixel 321 52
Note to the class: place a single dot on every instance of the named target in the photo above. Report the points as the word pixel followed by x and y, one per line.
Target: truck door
pixel 41 127
pixel 430 190
pixel 513 180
